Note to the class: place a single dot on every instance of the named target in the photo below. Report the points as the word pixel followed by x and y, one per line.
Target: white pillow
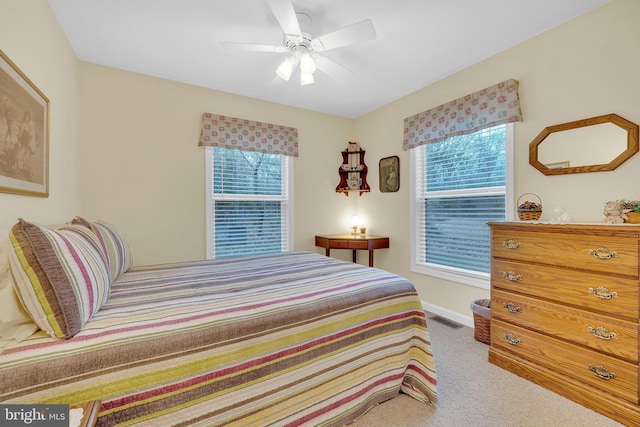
pixel 15 324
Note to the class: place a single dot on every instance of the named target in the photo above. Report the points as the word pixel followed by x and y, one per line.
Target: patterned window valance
pixel 492 106
pixel 231 132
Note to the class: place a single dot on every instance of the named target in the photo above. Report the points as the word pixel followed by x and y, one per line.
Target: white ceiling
pixel 418 43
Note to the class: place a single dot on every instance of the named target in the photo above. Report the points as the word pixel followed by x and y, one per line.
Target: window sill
pixel 466 277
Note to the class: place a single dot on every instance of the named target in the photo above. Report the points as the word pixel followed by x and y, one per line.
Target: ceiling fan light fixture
pixel 302 46
pixel 285 69
pixel 306 78
pixel 307 64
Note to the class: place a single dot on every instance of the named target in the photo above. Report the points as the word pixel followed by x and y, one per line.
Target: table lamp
pixel 355 222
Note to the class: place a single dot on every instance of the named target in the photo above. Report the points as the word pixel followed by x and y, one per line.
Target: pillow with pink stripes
pixel 60 275
pixel 114 247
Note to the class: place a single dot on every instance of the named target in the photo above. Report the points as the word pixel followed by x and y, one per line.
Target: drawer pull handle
pixel 602 333
pixel 511 307
pixel 602 293
pixel 511 244
pixel 511 339
pixel 602 372
pixel 603 253
pixel 512 276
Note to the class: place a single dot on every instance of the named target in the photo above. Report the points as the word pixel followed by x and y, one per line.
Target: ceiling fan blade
pixel 286 16
pixel 355 33
pixel 332 68
pixel 252 47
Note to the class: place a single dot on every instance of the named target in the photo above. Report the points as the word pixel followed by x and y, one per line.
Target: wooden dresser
pixel 565 311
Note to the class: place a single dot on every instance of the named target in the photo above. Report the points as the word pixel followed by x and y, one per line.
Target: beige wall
pixel 144 172
pixel 584 68
pixel 123 145
pixel 31 37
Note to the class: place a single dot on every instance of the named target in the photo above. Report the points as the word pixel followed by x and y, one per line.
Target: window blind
pixel 249 198
pixel 459 186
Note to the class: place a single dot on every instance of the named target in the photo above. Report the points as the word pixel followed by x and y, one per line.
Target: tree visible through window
pixel 460 184
pixel 249 203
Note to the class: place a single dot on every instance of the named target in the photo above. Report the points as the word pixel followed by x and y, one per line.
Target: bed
pixel 282 339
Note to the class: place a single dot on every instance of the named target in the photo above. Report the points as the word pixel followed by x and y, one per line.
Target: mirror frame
pixel 632 145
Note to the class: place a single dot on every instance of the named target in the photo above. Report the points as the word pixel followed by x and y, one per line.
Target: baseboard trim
pixel 448 314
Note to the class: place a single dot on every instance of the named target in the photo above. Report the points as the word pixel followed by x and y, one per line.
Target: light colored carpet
pixel 473 392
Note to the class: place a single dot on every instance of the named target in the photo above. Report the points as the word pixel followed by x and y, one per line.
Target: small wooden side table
pixel 355 242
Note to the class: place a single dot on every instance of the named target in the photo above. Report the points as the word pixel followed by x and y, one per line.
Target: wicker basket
pixel 528 214
pixel 481 309
pixel 633 217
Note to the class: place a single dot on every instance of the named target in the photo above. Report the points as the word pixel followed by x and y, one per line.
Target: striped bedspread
pixel 288 339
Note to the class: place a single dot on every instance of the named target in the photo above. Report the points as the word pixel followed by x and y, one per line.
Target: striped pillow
pixel 60 276
pixel 114 247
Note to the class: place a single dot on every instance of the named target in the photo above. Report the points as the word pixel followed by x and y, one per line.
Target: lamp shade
pixel 285 69
pixel 307 65
pixel 306 78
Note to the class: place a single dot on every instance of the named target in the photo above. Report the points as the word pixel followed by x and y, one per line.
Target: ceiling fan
pixel 301 47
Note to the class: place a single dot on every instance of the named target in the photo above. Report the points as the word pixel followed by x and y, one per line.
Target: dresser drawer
pixel 603 333
pixel 615 255
pixel 612 295
pixel 607 373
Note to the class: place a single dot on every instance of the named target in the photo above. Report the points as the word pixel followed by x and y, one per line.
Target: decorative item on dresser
pixel 528 210
pixel 619 211
pixel 633 217
pixel 564 315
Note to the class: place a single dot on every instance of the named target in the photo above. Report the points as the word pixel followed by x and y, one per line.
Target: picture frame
pixel 389 170
pixel 24 133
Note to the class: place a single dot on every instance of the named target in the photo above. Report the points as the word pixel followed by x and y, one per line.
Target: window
pixel 248 203
pixel 459 184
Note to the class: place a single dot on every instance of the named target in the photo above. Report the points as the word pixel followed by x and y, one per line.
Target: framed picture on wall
pixel 24 133
pixel 389 168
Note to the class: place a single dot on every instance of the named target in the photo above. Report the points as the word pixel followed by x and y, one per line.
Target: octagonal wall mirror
pixel 597 144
